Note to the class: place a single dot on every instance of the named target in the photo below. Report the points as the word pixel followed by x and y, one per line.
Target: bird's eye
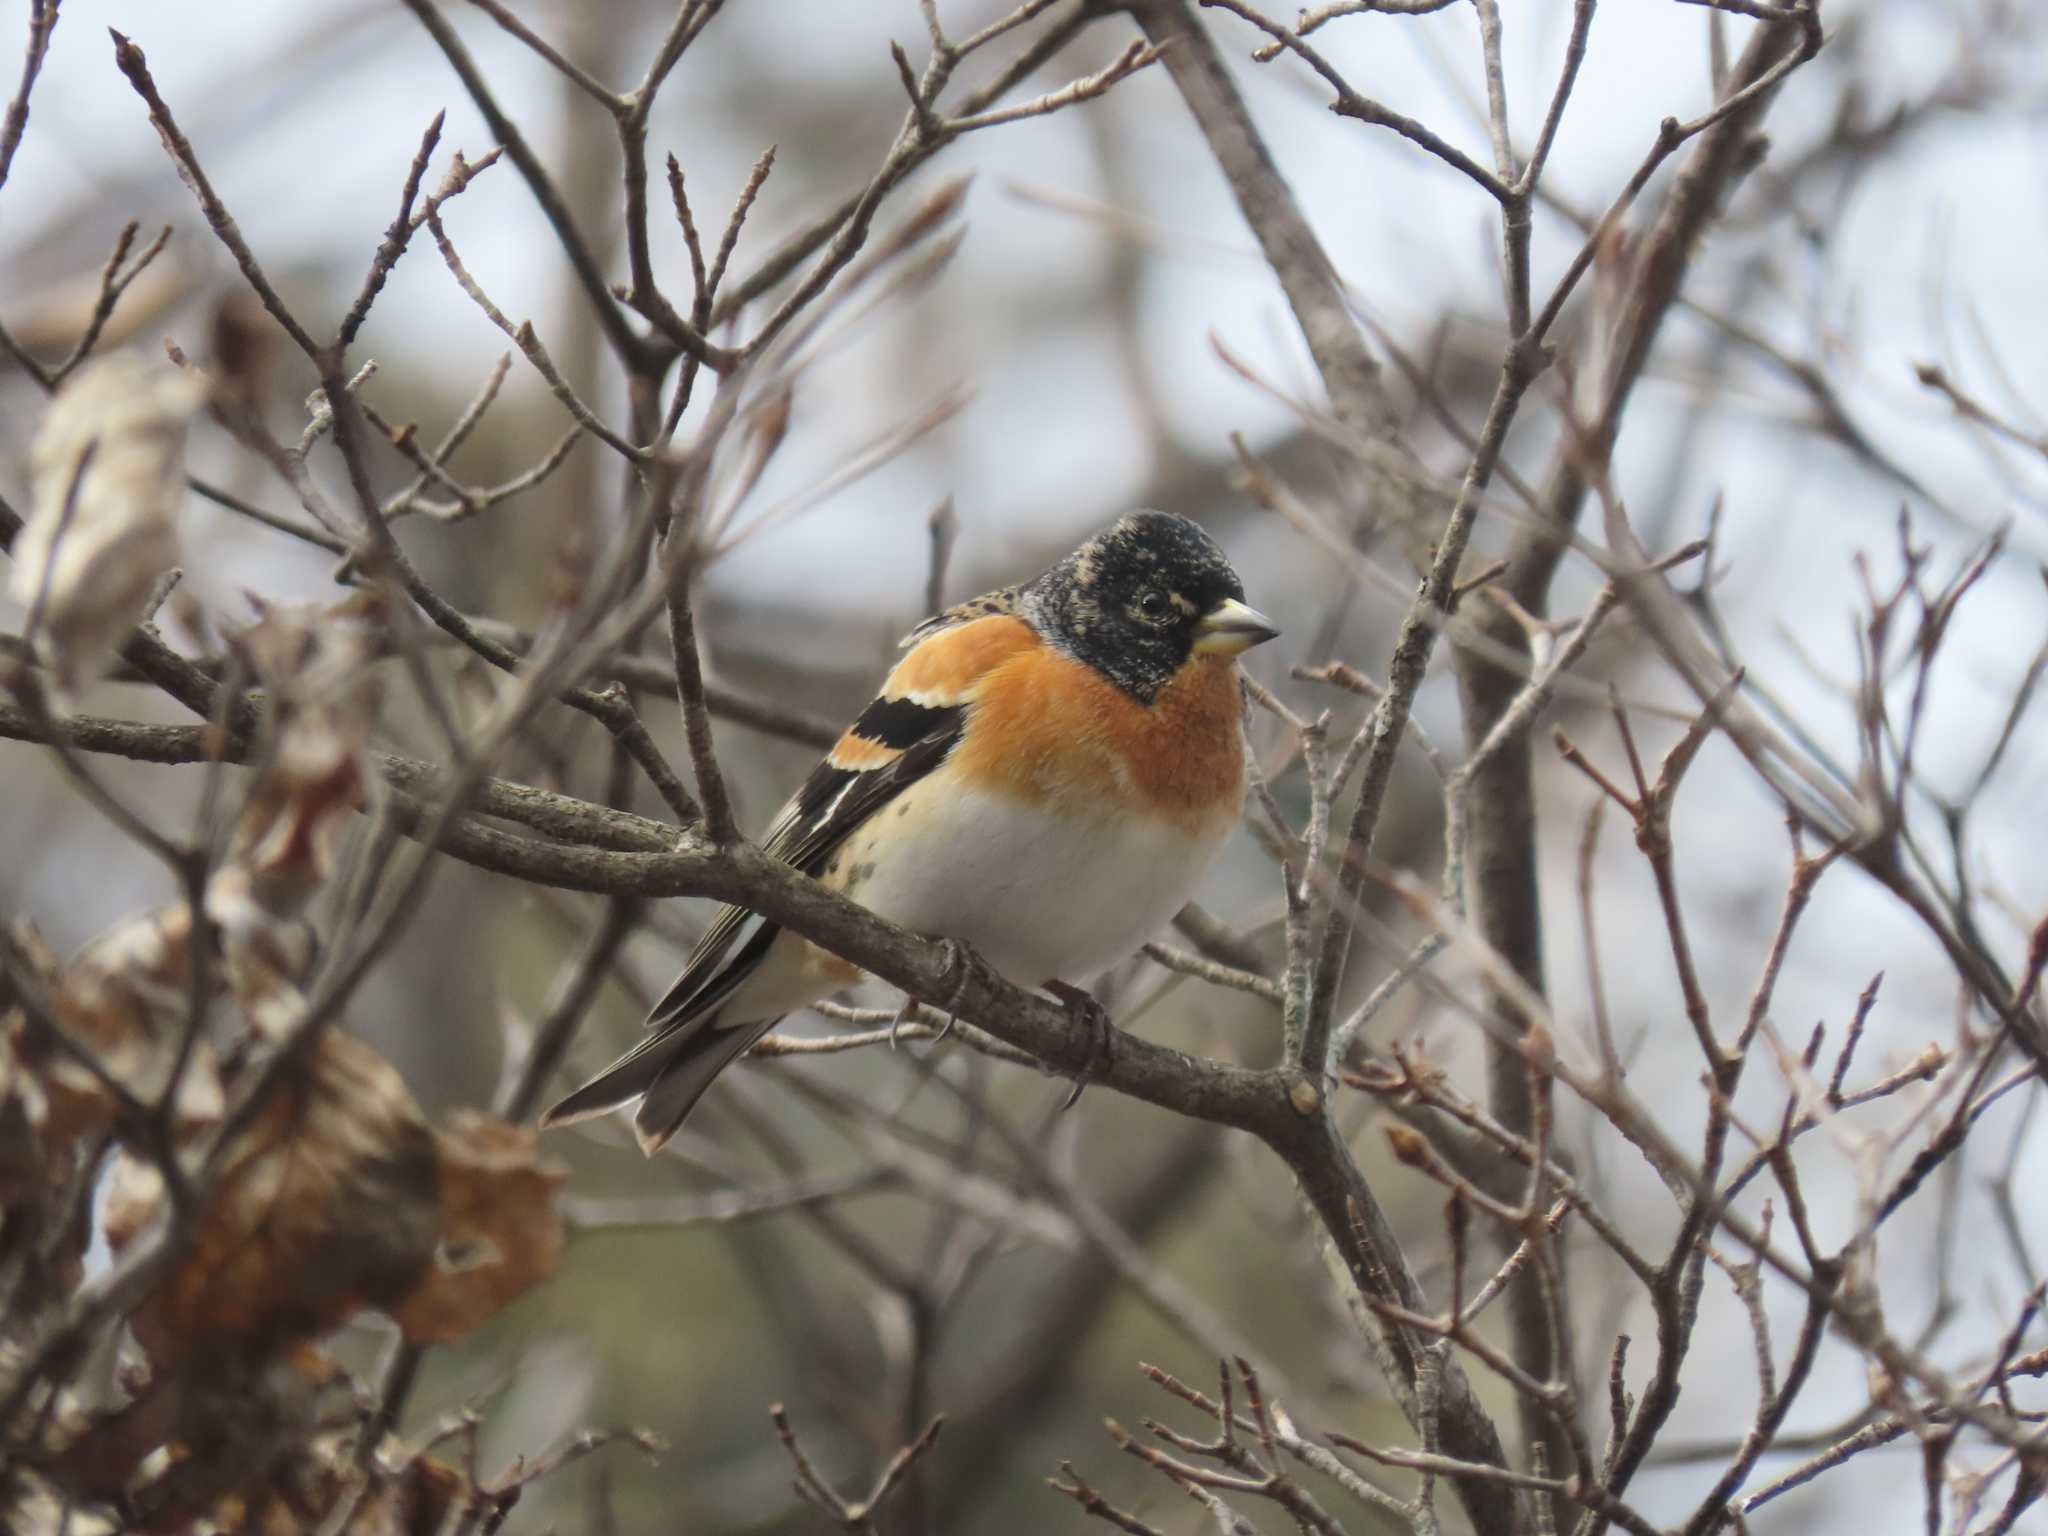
pixel 1152 603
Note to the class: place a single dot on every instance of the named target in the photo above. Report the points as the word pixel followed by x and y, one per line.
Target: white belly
pixel 1042 896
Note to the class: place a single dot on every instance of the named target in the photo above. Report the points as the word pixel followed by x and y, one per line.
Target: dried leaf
pixel 315 665
pixel 301 1493
pixel 503 1232
pixel 326 1205
pixel 32 1507
pixel 41 1168
pixel 107 474
pixel 245 346
pixel 130 1199
pixel 24 1112
pixel 267 958
pixel 29 1137
pixel 126 1000
pixel 417 1501
pixel 229 1433
pixel 240 1448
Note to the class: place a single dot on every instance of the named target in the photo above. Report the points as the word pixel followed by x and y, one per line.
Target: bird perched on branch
pixel 1044 776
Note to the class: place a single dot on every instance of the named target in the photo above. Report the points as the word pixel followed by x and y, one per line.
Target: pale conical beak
pixel 1231 627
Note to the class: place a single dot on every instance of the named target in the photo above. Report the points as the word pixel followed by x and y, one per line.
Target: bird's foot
pixel 1085 1011
pixel 961 964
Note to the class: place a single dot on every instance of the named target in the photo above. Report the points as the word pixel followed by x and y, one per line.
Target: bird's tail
pixel 668 1072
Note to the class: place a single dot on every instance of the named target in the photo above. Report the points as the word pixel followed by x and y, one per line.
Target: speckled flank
pixel 850 868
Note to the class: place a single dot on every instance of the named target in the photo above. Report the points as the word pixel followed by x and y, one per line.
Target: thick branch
pixel 1501 887
pixel 686 864
pixel 1351 378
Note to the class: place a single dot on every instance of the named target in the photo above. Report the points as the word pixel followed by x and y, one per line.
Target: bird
pixel 1044 776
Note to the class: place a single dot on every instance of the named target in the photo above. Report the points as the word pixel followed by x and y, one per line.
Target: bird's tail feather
pixel 619 1084
pixel 685 1049
pixel 683 1076
pixel 668 1072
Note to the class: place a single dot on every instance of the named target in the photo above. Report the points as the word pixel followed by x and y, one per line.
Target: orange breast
pixel 1048 728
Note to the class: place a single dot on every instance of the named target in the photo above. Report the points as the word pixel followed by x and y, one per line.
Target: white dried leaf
pixel 107 474
pixel 36 1507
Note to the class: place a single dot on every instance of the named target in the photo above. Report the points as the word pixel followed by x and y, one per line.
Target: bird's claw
pixel 1085 1011
pixel 961 963
pixel 903 1016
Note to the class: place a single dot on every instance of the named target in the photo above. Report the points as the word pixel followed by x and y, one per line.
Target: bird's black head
pixel 1136 601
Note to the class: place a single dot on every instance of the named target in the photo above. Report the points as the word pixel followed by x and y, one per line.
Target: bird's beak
pixel 1231 627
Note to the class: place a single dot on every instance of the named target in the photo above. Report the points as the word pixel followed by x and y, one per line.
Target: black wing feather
pixel 868 792
pixel 832 803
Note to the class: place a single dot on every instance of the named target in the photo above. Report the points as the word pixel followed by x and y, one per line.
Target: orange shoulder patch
pixel 942 669
pixel 857 754
pixel 1046 727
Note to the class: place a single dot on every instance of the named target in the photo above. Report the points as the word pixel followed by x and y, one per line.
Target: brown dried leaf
pixel 316 667
pixel 32 1506
pixel 236 1434
pixel 301 1493
pixel 267 958
pixel 125 999
pixel 245 346
pixel 107 474
pixel 417 1500
pixel 245 1451
pixel 28 1140
pixel 326 1205
pixel 41 961
pixel 24 1111
pixel 39 1168
pixel 503 1232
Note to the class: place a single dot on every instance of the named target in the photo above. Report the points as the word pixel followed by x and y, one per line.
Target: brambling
pixel 1044 776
